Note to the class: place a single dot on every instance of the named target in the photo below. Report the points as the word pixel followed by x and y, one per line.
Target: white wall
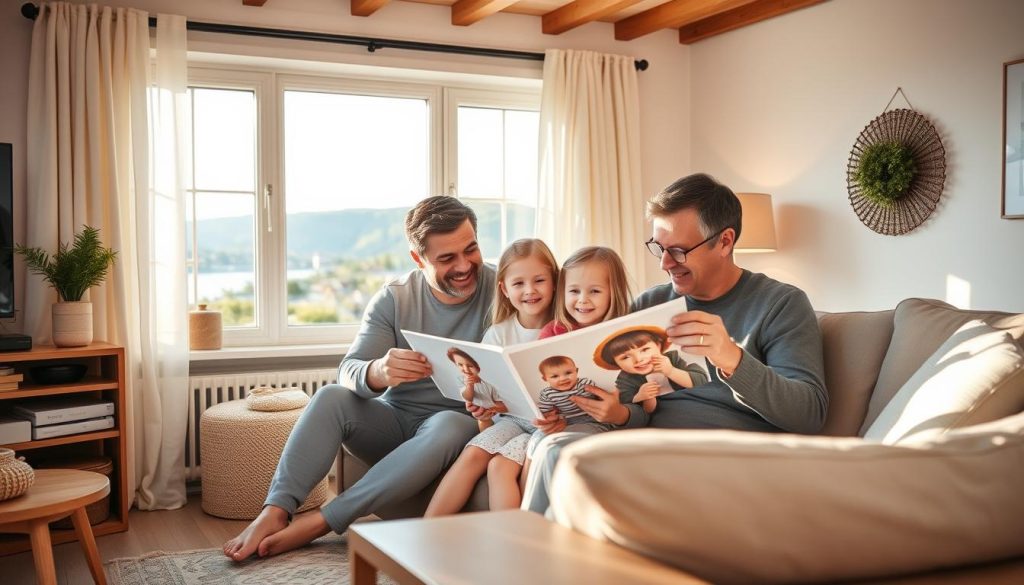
pixel 777 106
pixel 664 87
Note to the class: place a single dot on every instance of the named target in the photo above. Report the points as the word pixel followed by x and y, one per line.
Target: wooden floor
pixel 174 530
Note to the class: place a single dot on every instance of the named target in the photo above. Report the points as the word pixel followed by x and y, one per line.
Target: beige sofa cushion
pixel 976 376
pixel 736 507
pixel 854 345
pixel 920 326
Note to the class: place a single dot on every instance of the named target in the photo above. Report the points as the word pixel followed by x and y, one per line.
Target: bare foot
pixel 304 529
pixel 270 521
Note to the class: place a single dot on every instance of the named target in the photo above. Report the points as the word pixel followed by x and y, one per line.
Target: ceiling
pixel 694 19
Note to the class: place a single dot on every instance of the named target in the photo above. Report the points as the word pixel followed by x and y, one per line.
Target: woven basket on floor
pixel 15 475
pixel 238 454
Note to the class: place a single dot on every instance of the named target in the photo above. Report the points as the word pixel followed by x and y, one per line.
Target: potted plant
pixel 71 272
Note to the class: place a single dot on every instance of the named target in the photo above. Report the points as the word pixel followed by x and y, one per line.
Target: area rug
pixel 323 562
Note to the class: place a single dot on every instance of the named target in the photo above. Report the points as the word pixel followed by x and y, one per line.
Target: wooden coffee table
pixel 497 548
pixel 56 493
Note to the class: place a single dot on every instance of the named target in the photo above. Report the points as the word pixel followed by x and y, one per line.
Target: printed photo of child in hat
pixel 648 368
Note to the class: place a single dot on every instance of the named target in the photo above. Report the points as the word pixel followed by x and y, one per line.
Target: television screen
pixel 6 230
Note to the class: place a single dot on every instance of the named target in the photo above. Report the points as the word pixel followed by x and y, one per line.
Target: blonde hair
pixel 619 291
pixel 519 250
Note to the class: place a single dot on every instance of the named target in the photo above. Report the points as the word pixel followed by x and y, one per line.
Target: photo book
pixel 511 379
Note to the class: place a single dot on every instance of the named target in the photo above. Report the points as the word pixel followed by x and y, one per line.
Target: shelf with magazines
pixel 103 382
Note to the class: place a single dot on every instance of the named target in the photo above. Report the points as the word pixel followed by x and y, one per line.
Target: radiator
pixel 210 390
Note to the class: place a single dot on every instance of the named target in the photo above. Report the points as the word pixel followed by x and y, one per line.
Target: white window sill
pixel 265 351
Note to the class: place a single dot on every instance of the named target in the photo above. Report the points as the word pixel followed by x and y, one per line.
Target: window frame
pixel 271 240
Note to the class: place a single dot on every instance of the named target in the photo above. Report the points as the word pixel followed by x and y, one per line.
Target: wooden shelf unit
pixel 105 379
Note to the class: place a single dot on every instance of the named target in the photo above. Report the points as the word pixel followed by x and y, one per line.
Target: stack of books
pixel 9 380
pixel 67 415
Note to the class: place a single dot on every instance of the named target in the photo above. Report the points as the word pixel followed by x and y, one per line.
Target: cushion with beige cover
pixel 854 346
pixel 920 327
pixel 976 376
pixel 735 507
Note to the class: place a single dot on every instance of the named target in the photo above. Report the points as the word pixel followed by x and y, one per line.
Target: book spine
pixel 72 428
pixel 70 414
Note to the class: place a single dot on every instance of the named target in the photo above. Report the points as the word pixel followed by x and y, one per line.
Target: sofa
pixel 919 467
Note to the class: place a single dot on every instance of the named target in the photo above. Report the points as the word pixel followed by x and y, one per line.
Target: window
pixel 299 185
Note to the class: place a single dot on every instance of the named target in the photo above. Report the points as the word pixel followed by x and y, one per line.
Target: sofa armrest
pixel 738 507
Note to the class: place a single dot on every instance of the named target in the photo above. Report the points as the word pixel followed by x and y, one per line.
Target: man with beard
pixel 759 336
pixel 385 408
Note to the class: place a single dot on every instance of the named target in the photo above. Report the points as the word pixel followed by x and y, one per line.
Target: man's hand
pixel 605 408
pixel 479 412
pixel 397 366
pixel 704 334
pixel 552 422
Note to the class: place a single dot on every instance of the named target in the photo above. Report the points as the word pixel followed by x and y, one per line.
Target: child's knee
pixel 504 466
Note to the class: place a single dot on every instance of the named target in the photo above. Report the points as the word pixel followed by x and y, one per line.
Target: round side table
pixel 56 493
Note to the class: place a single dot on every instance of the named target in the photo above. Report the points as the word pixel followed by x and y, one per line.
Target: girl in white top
pixel 527 272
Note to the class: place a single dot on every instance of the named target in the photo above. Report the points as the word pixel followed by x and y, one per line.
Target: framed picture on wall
pixel 1013 140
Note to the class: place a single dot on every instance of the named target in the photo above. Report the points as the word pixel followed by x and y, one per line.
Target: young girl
pixel 523 304
pixel 592 288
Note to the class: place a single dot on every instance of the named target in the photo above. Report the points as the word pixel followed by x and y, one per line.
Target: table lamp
pixel 758 234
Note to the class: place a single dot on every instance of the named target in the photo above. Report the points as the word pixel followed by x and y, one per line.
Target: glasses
pixel 677 254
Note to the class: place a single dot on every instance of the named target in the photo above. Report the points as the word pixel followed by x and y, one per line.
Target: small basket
pixel 16 476
pixel 97 511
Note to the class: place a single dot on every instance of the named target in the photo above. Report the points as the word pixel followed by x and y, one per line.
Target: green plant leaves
pixel 72 270
pixel 885 172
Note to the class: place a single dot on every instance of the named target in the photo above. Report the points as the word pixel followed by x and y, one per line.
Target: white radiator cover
pixel 210 390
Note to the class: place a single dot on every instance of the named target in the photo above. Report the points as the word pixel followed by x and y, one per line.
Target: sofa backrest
pixel 870 355
pixel 854 346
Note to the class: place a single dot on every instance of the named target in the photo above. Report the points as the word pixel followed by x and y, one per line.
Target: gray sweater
pixel 779 384
pixel 407 303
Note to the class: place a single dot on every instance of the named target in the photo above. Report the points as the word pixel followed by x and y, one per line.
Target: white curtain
pixel 589 186
pixel 103 151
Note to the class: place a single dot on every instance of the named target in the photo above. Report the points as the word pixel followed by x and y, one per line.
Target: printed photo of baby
pixel 475 390
pixel 648 368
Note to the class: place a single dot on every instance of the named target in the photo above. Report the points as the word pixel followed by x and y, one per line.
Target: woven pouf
pixel 239 450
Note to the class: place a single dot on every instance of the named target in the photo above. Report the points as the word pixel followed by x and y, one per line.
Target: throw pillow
pixel 920 326
pixel 977 375
pixel 735 507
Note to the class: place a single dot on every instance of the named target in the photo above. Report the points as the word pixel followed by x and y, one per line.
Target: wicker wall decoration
pixel 896 171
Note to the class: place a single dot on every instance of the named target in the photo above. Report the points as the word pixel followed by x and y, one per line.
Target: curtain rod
pixel 31 11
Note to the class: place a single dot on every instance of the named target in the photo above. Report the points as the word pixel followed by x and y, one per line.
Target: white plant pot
pixel 72 323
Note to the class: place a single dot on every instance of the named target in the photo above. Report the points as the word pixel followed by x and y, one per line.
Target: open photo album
pixel 518 378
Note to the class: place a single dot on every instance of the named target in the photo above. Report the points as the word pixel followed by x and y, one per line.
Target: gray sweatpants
pixel 544 456
pixel 407 449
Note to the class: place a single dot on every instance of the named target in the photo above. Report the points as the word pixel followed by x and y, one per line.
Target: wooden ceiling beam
pixel 581 12
pixel 366 7
pixel 673 14
pixel 466 12
pixel 739 17
pixel 253 2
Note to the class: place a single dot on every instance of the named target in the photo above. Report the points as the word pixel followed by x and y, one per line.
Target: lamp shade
pixel 758 233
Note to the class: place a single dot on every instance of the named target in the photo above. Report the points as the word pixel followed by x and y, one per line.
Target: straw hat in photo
pixel 609 364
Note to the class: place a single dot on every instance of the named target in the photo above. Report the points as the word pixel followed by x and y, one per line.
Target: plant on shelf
pixel 885 172
pixel 71 272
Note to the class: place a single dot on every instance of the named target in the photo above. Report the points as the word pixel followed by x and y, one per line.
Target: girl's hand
pixel 472 379
pixel 648 390
pixel 662 364
pixel 605 408
pixel 479 412
pixel 552 422
pixel 499 407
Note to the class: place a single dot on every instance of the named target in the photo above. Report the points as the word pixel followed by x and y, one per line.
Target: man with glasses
pixel 760 336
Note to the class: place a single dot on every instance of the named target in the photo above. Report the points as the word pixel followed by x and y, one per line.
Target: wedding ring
pixel 701 340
